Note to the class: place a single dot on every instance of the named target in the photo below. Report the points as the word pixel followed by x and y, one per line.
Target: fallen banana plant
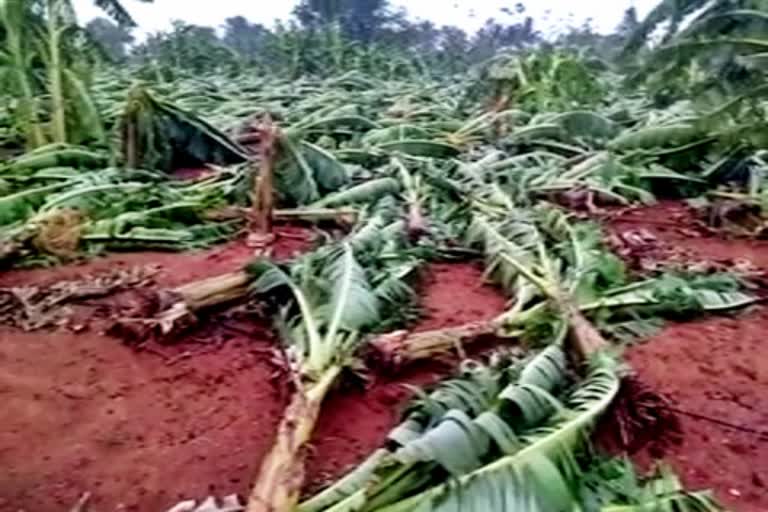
pixel 451 463
pixel 320 342
pixel 158 135
pixel 173 311
pixel 387 159
pixel 516 259
pixel 488 443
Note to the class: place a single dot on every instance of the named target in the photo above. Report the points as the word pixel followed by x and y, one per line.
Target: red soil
pixel 716 369
pixel 455 296
pixel 676 225
pixel 143 430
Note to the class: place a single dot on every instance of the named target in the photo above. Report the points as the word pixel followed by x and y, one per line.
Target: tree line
pixel 334 35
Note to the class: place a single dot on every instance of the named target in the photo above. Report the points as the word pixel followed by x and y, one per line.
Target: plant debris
pixel 36 307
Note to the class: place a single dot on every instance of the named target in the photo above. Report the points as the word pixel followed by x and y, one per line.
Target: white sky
pixel 468 14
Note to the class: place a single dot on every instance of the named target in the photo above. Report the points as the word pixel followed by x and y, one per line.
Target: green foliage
pixel 306 172
pixel 719 48
pixel 116 11
pixel 159 135
pixel 368 192
pixel 425 163
pixel 336 298
pixel 187 47
pixel 121 209
pixel 613 485
pixel 494 437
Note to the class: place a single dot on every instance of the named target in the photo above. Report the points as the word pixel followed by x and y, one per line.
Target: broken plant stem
pixel 583 336
pixel 213 291
pixel 401 348
pixel 281 475
pixel 416 222
pixel 264 195
pixel 201 295
pixel 179 306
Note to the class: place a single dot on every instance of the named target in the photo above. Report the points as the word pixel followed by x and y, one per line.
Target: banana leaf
pixel 656 137
pixel 423 148
pixel 367 192
pixel 22 205
pixel 159 135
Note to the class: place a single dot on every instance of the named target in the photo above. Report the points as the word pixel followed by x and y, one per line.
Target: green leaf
pixel 22 205
pixel 423 148
pixel 328 172
pixel 537 476
pixel 394 133
pixel 586 124
pixel 367 192
pixel 456 443
pixel 354 304
pixel 656 137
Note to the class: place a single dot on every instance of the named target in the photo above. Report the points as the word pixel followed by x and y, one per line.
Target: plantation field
pixel 347 267
pixel 145 428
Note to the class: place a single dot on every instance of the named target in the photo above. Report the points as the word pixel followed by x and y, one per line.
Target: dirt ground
pixel 143 430
pixel 714 370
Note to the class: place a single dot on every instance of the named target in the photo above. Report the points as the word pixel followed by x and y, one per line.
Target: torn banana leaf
pixel 159 135
pixel 305 172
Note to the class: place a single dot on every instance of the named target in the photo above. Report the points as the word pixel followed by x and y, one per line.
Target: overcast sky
pixel 469 14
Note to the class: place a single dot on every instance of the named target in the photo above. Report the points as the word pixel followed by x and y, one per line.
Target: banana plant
pixel 544 257
pixel 539 258
pixel 157 133
pixel 335 301
pixel 59 16
pixel 490 442
pixel 19 24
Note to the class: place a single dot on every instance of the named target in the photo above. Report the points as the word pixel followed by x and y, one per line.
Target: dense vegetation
pixel 424 144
